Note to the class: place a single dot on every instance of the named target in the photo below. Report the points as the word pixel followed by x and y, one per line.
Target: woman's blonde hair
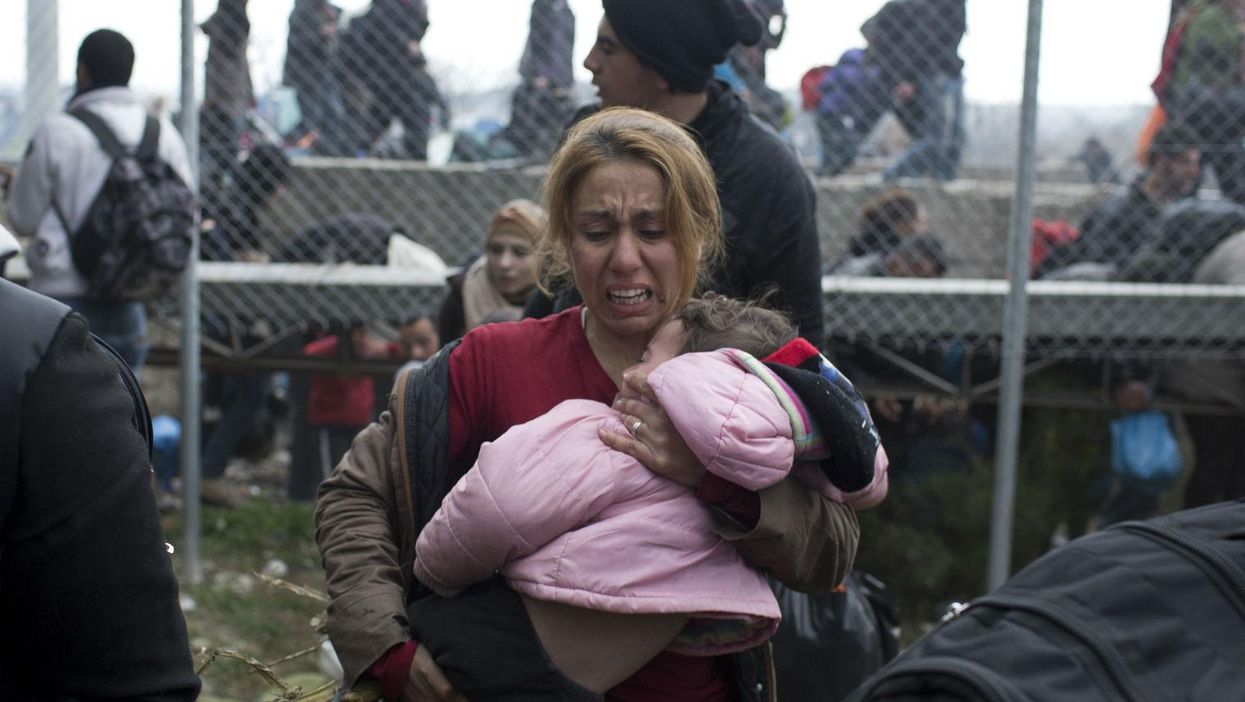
pixel 692 213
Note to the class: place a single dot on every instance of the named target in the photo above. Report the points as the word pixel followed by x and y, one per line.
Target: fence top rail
pixel 304 274
pixel 1073 318
pixel 1037 288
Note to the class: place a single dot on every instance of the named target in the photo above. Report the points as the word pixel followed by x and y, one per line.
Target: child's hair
pixel 717 322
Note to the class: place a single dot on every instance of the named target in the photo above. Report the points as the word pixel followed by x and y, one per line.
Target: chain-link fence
pixel 355 164
pixel 339 137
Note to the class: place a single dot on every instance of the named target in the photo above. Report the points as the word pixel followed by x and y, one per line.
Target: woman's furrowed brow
pixel 596 214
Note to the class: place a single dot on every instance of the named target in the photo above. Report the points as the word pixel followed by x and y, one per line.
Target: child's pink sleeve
pixel 809 473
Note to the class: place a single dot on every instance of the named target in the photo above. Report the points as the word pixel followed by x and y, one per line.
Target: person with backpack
pixel 101 243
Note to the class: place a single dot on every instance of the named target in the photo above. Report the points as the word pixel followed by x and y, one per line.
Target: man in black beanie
pixel 659 55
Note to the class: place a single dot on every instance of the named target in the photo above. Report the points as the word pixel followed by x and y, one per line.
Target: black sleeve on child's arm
pixel 86 577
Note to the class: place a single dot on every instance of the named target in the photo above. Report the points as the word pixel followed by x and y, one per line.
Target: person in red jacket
pixel 339 406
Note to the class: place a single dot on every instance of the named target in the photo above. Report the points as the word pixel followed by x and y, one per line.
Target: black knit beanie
pixel 683 39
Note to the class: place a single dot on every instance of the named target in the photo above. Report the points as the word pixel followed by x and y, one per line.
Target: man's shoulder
pixel 764 157
pixel 60 130
pixel 1124 202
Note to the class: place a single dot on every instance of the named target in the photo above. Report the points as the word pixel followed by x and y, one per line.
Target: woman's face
pixel 511 266
pixel 624 260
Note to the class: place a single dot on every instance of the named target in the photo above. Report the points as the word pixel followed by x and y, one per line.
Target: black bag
pixel 136 238
pixel 828 643
pixel 1188 231
pixel 1149 610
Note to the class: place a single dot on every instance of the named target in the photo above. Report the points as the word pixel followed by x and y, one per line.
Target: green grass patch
pixel 236 610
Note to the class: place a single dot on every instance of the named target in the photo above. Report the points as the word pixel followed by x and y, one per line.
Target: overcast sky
pixel 1095 52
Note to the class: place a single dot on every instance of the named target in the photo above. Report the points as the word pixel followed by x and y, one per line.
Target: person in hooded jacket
pixel 659 55
pixel 549 506
pixel 495 285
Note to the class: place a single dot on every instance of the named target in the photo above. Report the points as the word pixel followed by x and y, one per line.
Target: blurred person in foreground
pixel 88 600
pixel 659 55
pixel 495 286
pixel 62 174
pixel 633 219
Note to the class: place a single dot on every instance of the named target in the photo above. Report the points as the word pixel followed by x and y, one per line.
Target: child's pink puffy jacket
pixel 564 518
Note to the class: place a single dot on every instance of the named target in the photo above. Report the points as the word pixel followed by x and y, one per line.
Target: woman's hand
pixel 653 440
pixel 427 683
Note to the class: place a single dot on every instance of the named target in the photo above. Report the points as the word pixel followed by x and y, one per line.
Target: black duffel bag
pixel 828 643
pixel 1149 610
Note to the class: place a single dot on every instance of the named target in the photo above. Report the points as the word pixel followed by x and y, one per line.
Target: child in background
pixel 589 540
pixel 418 340
pixel 339 406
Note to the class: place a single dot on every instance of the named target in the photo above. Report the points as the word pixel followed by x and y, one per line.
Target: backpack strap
pixel 103 133
pixel 149 145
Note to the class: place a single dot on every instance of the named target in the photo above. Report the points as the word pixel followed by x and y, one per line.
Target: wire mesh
pixel 364 146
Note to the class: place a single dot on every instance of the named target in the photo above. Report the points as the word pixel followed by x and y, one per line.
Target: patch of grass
pixel 237 611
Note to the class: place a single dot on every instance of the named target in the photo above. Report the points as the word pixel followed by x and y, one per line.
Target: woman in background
pixel 496 285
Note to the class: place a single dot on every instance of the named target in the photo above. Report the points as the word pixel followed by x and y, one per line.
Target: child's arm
pixel 527 488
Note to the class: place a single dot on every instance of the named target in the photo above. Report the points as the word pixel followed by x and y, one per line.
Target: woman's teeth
pixel 629 297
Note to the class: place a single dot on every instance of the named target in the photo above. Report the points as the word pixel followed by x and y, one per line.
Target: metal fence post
pixel 189 310
pixel 42 65
pixel 1014 320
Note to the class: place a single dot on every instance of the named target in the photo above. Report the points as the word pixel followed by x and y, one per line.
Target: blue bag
pixel 1144 451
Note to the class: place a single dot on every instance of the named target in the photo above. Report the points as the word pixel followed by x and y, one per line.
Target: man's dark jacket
pixel 88 602
pixel 911 40
pixel 1111 233
pixel 768 212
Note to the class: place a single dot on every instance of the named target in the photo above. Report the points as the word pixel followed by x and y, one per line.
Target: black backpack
pixel 137 235
pixel 830 642
pixel 1149 610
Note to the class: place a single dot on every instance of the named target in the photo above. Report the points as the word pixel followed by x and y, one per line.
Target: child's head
pixel 718 322
pixel 418 337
